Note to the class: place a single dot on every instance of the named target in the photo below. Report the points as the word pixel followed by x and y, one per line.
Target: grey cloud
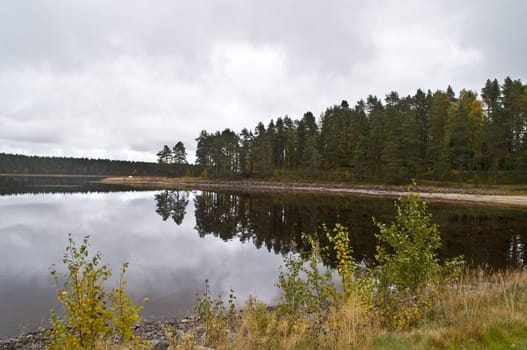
pixel 62 34
pixel 498 29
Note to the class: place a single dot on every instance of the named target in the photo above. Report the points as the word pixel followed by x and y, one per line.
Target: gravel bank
pixel 152 330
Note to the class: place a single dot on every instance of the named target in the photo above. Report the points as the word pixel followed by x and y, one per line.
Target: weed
pixel 215 315
pixel 186 341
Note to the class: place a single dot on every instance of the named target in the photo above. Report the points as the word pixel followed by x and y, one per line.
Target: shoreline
pixel 153 331
pixel 480 196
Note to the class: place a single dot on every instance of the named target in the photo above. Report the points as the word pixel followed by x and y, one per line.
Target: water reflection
pixel 277 222
pixel 168 262
pixel 172 204
pixel 516 254
pixel 486 237
pixel 171 252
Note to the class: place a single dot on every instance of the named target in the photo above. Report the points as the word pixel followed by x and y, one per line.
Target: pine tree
pixel 165 155
pixel 360 134
pixel 246 147
pixel 458 139
pixel 392 157
pixel 513 94
pixel 262 155
pixel 493 126
pixel 376 136
pixel 436 137
pixel 179 154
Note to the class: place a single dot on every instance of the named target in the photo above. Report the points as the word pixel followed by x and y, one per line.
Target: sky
pixel 119 79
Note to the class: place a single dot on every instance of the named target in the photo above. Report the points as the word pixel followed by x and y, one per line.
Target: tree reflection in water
pixel 487 237
pixel 172 204
pixel 277 222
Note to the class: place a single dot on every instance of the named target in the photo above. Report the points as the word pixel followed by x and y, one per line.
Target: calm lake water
pixel 174 240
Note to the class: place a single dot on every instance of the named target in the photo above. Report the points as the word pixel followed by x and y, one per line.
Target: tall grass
pixel 480 311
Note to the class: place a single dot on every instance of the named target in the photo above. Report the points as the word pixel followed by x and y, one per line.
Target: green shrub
pixel 355 279
pixel 92 315
pixel 305 286
pixel 409 272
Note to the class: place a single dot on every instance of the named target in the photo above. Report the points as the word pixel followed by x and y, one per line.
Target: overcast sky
pixel 119 79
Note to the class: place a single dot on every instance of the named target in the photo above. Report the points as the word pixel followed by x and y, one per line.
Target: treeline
pixel 22 164
pixel 435 136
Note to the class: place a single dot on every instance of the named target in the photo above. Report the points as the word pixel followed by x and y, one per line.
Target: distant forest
pixel 433 136
pixel 21 164
pixel 427 136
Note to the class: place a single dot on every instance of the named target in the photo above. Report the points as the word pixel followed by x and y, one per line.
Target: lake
pixel 174 240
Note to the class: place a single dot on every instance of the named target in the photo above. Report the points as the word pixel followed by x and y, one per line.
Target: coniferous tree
pixel 203 149
pixel 458 139
pixel 391 156
pixel 301 139
pixel 179 153
pixel 473 107
pixel 311 156
pixel 329 138
pixel 165 155
pixel 493 127
pixel 438 117
pixel 361 131
pixel 412 145
pixel 262 155
pixel 376 136
pixel 279 144
pixel 420 106
pixel 451 94
pixel 229 147
pixel 513 94
pixel 246 159
pixel 291 143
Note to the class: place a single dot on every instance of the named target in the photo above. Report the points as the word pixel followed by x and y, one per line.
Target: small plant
pixel 355 279
pixel 305 288
pixel 187 341
pixel 214 314
pixel 91 313
pixel 322 291
pixel 409 272
pixel 125 313
pixel 293 287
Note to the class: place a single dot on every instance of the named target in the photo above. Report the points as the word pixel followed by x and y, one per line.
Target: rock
pixel 159 345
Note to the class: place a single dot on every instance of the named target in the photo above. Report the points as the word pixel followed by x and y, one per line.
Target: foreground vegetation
pixel 408 300
pixel 478 312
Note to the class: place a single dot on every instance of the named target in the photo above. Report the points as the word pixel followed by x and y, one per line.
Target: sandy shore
pixel 480 196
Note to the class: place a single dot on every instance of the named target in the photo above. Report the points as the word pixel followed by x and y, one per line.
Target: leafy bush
pixel 92 314
pixel 304 286
pixel 409 272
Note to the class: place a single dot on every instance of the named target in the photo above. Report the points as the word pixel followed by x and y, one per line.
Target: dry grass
pixel 479 312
